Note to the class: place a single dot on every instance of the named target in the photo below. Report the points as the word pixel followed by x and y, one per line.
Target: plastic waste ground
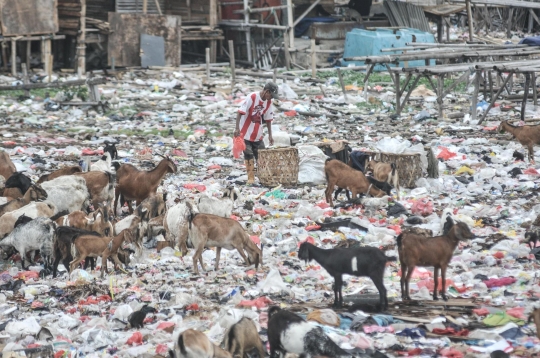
pixel 492 279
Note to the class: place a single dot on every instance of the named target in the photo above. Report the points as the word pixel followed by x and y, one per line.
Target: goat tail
pixel 399 240
pixel 181 345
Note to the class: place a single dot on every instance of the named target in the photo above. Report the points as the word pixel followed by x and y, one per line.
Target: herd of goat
pixel 70 216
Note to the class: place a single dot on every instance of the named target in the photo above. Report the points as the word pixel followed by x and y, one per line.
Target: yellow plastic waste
pixel 439 131
pixel 478 223
pixel 464 169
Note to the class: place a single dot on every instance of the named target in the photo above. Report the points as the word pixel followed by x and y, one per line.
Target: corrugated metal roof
pixel 131 6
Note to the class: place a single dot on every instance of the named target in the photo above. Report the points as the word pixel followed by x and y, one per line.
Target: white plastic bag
pixel 311 168
pixel 286 92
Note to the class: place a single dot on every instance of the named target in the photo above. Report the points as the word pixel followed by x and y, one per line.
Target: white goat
pixel 103 165
pixel 176 224
pixel 32 210
pixel 221 207
pixel 137 224
pixel 35 235
pixel 68 193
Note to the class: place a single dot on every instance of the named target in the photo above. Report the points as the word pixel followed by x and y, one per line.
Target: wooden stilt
pixel 525 95
pixel 233 63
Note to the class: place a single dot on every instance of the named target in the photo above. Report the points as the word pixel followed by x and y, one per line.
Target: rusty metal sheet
pixel 125 37
pixel 28 17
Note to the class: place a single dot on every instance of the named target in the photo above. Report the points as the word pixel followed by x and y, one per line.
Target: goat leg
pixel 338 284
pixel 443 278
pixel 104 263
pixel 530 147
pixel 55 265
pixel 243 254
pixel 118 263
pixel 23 256
pixel 196 256
pixel 410 271
pixel 383 299
pixel 402 281
pixel 76 262
pixel 218 254
pixel 436 283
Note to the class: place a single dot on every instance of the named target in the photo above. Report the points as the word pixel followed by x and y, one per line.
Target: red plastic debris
pixel 234 217
pixel 498 282
pixel 238 145
pixel 291 113
pixel 37 304
pixel 422 207
pixel 198 187
pixel 309 239
pixel 135 339
pixel 517 312
pixel 88 151
pixel 451 353
pixel 445 154
pixel 313 227
pixel 430 284
pixel 323 205
pixel 256 240
pixel 27 275
pixel 531 171
pixel 480 311
pixel 59 354
pixel 498 255
pixel 214 167
pixel 260 302
pixel 260 211
pixel 179 153
pixel 396 228
pixel 192 307
pixel 162 349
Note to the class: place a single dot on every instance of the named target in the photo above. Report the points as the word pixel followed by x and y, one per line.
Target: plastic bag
pixel 422 207
pixel 445 154
pixel 311 169
pixel 239 146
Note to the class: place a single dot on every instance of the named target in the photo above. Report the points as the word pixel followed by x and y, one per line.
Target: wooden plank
pixel 28 17
pixel 30 86
pixel 413 319
pixel 124 40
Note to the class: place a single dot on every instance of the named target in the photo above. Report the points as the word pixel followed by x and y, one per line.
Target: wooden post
pixel 208 64
pixel 4 56
pixel 248 32
pixel 287 55
pixel 28 53
pixel 474 100
pixel 341 83
pixel 159 8
pixel 509 24
pixel 13 58
pixel 290 24
pixel 233 64
pixel 212 22
pixel 469 17
pixel 439 29
pixel 47 55
pixel 440 94
pixel 179 32
pixel 313 59
pixel 535 89
pixel 25 79
pixel 490 78
pixel 525 95
pixel 50 69
pixel 274 75
pixel 144 6
pixel 81 42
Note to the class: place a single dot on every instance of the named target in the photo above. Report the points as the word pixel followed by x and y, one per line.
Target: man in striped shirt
pixel 254 112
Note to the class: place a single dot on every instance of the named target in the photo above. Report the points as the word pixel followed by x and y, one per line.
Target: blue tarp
pixel 303 26
pixel 531 41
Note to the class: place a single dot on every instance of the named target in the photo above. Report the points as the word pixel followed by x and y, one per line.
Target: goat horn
pixel 161 155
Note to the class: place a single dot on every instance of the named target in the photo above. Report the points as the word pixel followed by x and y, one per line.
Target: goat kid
pixel 207 230
pixel 84 246
pixel 360 261
pixel 415 250
pixel 528 136
pixel 384 172
pixel 63 239
pixel 243 337
pixel 195 344
pixel 341 175
pixel 290 333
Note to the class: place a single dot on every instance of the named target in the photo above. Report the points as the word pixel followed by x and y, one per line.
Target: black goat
pixel 448 225
pixel 63 239
pixel 290 333
pixel 361 261
pixel 532 236
pixel 111 148
pixel 387 188
pixel 136 319
pixel 19 180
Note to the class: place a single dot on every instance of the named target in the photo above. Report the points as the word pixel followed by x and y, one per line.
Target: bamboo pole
pixel 13 58
pixel 470 20
pixel 28 53
pixel 492 102
pixel 159 8
pixel 474 100
pixel 313 59
pixel 208 64
pixel 525 95
pixel 144 6
pixel 290 25
pixel 47 55
pixel 287 55
pixel 25 78
pixel 248 32
pixel 30 86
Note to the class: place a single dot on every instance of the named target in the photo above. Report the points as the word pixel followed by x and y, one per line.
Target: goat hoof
pixel 445 298
pixel 435 298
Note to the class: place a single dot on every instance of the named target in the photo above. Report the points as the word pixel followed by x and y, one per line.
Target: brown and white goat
pixel 195 344
pixel 535 316
pixel 419 250
pixel 135 184
pixel 99 222
pixel 60 172
pixel 7 168
pixel 12 193
pixel 93 246
pixel 32 210
pixel 242 338
pixel 385 172
pixel 207 230
pixel 100 186
pixel 341 175
pixel 528 136
pixel 35 193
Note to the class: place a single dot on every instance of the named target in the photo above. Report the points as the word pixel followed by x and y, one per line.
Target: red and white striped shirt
pixel 254 113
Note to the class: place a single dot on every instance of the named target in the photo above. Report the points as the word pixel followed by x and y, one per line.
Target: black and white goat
pixel 290 333
pixel 19 180
pixel 360 261
pixel 111 149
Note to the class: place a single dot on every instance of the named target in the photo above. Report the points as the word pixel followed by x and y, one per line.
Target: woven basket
pixel 278 166
pixel 409 166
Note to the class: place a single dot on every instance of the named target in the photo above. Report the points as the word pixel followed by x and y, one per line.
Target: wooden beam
pixel 159 8
pixel 474 100
pixel 470 20
pixel 144 6
pixel 248 33
pixel 233 63
pixel 290 23
pixel 81 42
pixel 13 58
pixel 208 64
pixel 304 14
pixel 30 86
pixel 492 102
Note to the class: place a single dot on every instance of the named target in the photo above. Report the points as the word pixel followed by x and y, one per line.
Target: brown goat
pixel 192 343
pixel 535 316
pixel 385 172
pixel 340 174
pixel 99 222
pixel 93 246
pixel 7 168
pixel 528 136
pixel 100 186
pixel 12 193
pixel 207 230
pixel 243 337
pixel 418 250
pixel 35 193
pixel 60 172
